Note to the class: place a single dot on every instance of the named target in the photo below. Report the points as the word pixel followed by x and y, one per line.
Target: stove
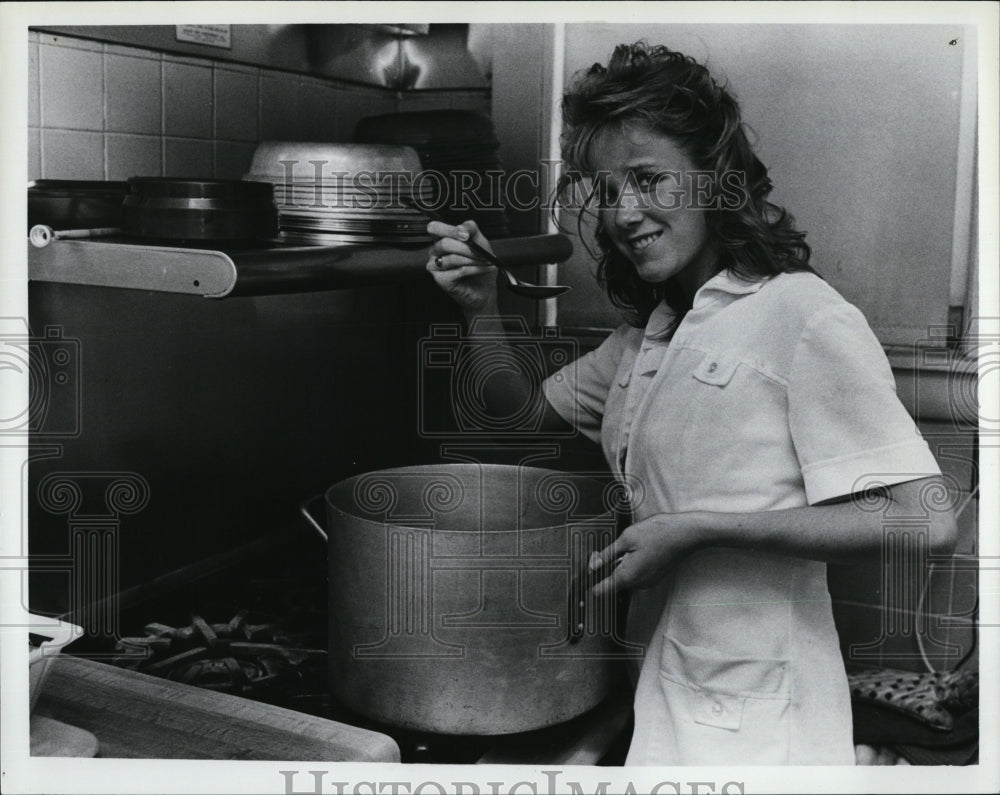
pixel 259 631
pixel 236 657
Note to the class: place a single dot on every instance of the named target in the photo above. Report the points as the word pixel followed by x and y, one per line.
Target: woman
pixel 752 404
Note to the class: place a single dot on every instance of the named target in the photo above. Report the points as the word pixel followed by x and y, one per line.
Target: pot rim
pixel 609 515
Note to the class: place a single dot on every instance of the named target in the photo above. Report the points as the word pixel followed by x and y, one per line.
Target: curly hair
pixel 673 94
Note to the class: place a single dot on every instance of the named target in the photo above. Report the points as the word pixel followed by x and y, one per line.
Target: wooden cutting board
pixel 55 738
pixel 133 715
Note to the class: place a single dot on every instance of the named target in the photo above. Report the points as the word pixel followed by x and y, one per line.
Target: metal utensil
pixel 41 235
pixel 514 284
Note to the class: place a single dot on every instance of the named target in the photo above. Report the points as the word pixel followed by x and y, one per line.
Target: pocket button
pixel 721 711
pixel 714 371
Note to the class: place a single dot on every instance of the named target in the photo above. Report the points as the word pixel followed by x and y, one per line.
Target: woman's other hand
pixel 645 549
pixel 469 281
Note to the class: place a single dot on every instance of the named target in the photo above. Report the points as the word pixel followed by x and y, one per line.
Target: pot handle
pixel 580 595
pixel 306 510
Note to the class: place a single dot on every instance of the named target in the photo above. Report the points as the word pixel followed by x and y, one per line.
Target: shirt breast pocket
pixel 715 370
pixel 736 436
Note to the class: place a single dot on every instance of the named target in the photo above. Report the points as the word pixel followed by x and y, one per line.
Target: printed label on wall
pixel 210 35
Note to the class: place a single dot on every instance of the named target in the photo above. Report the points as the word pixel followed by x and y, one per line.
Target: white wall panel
pixel 859 125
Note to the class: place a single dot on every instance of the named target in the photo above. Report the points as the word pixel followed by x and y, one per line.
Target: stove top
pixel 259 631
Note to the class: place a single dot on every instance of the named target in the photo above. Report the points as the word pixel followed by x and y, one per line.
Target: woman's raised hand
pixel 467 279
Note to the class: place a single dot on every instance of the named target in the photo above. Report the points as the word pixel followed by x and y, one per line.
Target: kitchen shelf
pixel 244 271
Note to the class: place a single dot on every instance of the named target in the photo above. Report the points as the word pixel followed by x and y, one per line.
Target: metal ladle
pixel 514 284
pixel 41 235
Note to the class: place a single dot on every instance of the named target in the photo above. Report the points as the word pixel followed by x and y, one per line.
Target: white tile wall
pixel 129 155
pixel 34 153
pixel 232 158
pixel 319 109
pixel 279 107
pixel 103 111
pixel 236 95
pixel 73 95
pixel 34 113
pixel 354 104
pixel 188 157
pixel 187 99
pixel 132 94
pixel 72 154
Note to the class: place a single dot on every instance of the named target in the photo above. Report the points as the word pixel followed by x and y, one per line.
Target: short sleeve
pixel 579 391
pixel 847 424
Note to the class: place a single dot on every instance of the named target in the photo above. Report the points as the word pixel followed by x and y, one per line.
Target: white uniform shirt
pixel 772 394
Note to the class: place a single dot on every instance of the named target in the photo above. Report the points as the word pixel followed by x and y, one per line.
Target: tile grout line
pixel 215 122
pixel 104 109
pixel 163 118
pixel 260 104
pixel 41 118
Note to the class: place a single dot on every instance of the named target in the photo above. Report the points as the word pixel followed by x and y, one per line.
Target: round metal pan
pixel 183 209
pixel 75 204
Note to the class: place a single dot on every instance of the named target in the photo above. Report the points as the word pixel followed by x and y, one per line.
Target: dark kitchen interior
pixel 192 429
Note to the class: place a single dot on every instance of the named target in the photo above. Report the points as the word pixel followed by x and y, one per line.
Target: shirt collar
pixel 723 282
pixel 726 283
pixel 659 321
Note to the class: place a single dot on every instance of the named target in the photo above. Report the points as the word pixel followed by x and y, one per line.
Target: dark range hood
pixel 402 57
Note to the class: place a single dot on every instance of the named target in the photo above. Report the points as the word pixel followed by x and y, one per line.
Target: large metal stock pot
pixel 449 594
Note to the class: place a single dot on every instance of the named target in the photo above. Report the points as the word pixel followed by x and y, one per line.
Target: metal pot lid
pixel 72 188
pixel 173 187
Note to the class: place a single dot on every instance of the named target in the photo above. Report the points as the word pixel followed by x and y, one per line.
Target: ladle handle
pixel 304 509
pixel 41 235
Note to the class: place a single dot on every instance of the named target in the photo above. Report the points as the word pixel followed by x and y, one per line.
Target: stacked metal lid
pixel 75 204
pixel 459 152
pixel 191 209
pixel 341 194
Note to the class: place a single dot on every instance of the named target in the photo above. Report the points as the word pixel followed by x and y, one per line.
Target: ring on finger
pixel 438 263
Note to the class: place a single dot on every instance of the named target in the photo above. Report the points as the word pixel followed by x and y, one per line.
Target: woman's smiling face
pixel 648 193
